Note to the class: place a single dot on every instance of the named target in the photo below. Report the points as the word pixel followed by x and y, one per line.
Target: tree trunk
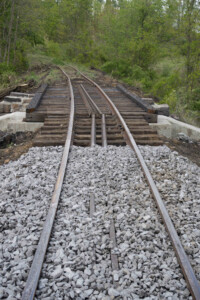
pixel 15 39
pixel 2 31
pixel 189 30
pixel 10 31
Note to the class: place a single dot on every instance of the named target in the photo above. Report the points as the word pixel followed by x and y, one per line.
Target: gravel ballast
pixel 26 188
pixel 78 264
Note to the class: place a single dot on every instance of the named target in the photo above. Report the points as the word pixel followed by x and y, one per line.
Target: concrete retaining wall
pixel 170 128
pixel 14 123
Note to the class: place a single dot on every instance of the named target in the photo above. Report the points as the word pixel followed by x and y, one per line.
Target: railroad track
pixel 54 111
pixel 95 123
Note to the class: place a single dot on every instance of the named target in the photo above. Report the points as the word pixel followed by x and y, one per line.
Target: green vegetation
pixel 151 44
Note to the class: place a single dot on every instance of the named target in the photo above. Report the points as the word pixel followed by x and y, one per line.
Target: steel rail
pixel 103 131
pixel 95 107
pixel 36 267
pixel 93 131
pixel 85 100
pixel 192 282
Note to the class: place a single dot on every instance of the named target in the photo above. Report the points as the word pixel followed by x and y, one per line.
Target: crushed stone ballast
pixel 113 209
pixel 78 264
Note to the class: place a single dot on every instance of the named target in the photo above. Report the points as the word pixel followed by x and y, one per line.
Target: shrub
pixel 6 73
pixel 5 68
pixel 53 49
pixel 120 68
pixel 21 61
pixel 7 77
pixel 196 105
pixel 172 100
pixel 195 99
pixel 57 61
pixel 165 85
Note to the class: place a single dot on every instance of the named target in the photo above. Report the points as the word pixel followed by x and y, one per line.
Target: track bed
pixel 107 239
pixel 54 110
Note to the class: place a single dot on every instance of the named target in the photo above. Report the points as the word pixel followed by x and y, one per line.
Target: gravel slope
pixel 78 262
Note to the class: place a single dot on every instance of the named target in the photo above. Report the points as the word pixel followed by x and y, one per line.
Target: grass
pixel 84 69
pixel 169 65
pixel 36 59
pixel 9 80
pixel 32 75
pixel 53 76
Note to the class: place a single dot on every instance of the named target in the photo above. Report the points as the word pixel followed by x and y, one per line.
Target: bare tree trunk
pixel 189 36
pixel 5 53
pixel 10 31
pixel 2 30
pixel 15 38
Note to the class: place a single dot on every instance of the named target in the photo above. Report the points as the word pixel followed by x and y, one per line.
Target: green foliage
pixel 53 49
pixel 195 103
pixel 146 77
pixel 32 76
pixel 172 100
pixel 5 68
pixel 6 73
pixel 34 38
pixel 144 52
pixel 120 68
pixel 152 44
pixel 165 85
pixel 21 61
pixel 58 61
pixel 7 77
pixel 196 106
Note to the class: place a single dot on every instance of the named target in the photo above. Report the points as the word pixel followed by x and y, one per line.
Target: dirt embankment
pixel 189 150
pixel 17 145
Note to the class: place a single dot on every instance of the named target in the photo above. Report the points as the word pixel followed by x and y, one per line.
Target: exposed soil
pixel 21 142
pixel 189 150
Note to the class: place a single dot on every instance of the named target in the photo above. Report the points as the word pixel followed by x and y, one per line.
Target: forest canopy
pixel 151 44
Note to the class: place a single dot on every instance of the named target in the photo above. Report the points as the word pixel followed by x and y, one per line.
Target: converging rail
pixel 36 267
pixel 97 111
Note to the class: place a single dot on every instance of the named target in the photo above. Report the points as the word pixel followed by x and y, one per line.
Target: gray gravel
pixel 77 264
pixel 178 181
pixel 26 188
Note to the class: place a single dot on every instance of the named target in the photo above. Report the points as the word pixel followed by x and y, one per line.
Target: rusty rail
pixel 103 130
pixel 93 104
pixel 36 267
pixel 192 282
pixel 93 131
pixel 85 100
